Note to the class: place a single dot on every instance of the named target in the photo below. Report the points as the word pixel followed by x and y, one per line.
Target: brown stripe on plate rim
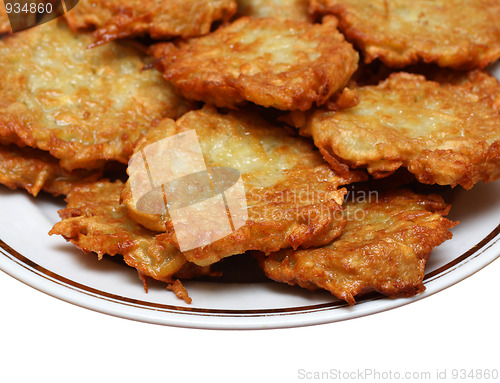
pixel 33 267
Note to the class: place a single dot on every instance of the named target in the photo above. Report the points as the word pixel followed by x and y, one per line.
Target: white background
pixel 44 339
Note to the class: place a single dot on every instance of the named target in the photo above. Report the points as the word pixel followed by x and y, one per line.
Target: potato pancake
pixel 444 133
pixel 35 170
pixel 159 19
pixel 83 106
pixel 384 247
pixel 290 196
pixel 283 64
pixel 461 34
pixel 94 221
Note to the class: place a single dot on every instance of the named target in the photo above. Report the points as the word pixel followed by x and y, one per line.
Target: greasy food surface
pixel 462 34
pixel 448 134
pixel 284 64
pixel 284 9
pixel 95 221
pixel 291 193
pixel 384 247
pixel 158 18
pixel 35 170
pixel 83 106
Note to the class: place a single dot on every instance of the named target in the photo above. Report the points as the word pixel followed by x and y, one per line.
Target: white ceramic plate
pixel 57 268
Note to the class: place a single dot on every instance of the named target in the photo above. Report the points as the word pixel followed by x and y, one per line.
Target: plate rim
pixel 30 273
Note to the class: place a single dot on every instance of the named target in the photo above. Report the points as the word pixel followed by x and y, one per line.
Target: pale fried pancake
pixel 444 133
pixel 35 170
pixel 159 19
pixel 276 63
pixel 383 248
pixel 291 193
pixel 83 106
pixel 461 34
pixel 95 222
pixel 283 9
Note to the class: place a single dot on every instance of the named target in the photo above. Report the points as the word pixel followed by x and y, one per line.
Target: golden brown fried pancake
pixel 276 63
pixel 95 221
pixel 35 170
pixel 461 34
pixel 448 134
pixel 83 106
pixel 158 18
pixel 284 9
pixel 383 248
pixel 291 193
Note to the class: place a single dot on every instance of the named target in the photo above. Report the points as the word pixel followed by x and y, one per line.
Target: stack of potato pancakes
pixel 310 102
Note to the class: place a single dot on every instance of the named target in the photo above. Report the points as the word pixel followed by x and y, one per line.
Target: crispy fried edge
pixel 74 230
pixel 35 170
pixel 125 24
pixel 90 20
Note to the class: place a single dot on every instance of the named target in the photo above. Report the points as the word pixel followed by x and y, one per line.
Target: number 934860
pixel 40 8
